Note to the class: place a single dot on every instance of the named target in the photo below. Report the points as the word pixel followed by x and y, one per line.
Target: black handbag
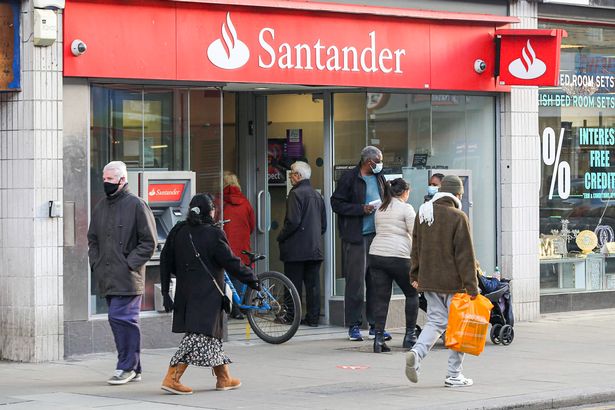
pixel 227 295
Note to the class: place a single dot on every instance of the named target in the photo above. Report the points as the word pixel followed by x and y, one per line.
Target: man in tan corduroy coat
pixel 443 263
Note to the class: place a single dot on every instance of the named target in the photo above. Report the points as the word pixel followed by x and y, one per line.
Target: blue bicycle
pixel 274 313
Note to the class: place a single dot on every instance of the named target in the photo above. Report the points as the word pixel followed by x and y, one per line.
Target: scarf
pixel 426 210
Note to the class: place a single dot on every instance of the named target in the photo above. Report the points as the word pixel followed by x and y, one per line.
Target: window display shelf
pixel 577 274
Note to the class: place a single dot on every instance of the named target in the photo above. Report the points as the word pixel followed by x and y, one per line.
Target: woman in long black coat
pixel 198 303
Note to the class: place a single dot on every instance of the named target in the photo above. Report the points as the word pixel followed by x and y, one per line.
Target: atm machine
pixel 168 194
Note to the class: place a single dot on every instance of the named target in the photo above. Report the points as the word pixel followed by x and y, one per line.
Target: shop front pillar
pixel 520 183
pixel 31 308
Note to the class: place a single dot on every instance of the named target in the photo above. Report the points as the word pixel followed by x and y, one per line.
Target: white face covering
pixel 378 168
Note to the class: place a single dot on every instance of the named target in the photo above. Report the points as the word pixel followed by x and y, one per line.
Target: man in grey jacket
pixel 121 239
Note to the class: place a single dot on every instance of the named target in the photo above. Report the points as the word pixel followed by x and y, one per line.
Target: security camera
pixel 78 47
pixel 480 66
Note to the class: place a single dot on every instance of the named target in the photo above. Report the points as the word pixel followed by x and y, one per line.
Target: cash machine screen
pixel 166 198
pixel 166 193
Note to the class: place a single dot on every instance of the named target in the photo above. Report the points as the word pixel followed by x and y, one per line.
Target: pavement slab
pixel 558 361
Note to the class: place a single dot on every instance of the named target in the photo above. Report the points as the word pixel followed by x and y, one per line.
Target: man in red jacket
pixel 239 212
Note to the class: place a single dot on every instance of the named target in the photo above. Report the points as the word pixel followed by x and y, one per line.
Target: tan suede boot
pixel 171 380
pixel 225 381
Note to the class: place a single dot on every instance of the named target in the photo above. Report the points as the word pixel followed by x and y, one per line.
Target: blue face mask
pixel 432 190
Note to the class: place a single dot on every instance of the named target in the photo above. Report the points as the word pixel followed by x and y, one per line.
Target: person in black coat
pixel 198 302
pixel 301 238
pixel 121 239
pixel 357 195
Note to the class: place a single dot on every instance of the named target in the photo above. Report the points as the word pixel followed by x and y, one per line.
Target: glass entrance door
pixel 290 129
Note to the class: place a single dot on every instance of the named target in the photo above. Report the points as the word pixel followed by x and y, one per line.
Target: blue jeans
pixel 124 321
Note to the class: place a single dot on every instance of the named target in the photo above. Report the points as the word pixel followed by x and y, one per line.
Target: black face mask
pixel 111 188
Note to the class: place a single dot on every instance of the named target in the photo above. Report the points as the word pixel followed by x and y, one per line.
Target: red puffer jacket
pixel 238 210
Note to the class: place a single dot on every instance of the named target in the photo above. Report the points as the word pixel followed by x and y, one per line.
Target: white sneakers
pixel 412 366
pixel 458 381
pixel 121 377
pixel 412 373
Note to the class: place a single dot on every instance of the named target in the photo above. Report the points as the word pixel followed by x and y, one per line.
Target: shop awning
pixel 366 10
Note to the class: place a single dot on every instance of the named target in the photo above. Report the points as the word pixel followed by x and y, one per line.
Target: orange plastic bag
pixel 468 323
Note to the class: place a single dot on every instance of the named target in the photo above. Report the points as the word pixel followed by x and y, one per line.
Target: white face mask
pixel 378 168
pixel 432 190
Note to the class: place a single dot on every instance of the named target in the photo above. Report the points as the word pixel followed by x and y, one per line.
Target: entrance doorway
pixel 273 131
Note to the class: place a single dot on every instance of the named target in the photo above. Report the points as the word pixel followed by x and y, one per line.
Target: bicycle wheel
pixel 279 318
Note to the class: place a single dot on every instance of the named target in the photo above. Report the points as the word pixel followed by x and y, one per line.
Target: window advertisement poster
pixel 577 137
pixel 276 161
pixel 294 143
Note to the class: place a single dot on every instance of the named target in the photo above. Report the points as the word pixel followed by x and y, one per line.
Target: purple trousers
pixel 124 321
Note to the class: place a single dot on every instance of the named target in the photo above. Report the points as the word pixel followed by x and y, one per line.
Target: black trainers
pixel 372 334
pixel 121 377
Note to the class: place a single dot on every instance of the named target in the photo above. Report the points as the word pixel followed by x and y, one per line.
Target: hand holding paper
pixel 375 203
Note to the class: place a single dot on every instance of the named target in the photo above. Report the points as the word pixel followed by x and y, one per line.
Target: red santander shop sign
pixel 228 43
pixel 530 57
pixel 165 192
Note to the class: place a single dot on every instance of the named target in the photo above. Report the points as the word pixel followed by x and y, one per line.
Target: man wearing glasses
pixel 357 195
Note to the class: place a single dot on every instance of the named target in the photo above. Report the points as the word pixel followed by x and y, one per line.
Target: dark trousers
pixel 385 270
pixel 307 272
pixel 356 271
pixel 124 321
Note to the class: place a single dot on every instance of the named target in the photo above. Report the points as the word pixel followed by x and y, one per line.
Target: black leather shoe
pixel 310 324
pixel 379 344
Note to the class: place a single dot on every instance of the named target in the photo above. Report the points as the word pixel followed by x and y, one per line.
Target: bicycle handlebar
pixel 253 256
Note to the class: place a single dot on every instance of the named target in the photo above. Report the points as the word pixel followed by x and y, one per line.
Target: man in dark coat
pixel 443 263
pixel 121 239
pixel 301 238
pixel 357 195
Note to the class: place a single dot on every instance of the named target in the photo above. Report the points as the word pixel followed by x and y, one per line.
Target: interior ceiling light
pixel 572 46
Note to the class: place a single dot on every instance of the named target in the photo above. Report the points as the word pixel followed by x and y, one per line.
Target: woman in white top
pixel 389 260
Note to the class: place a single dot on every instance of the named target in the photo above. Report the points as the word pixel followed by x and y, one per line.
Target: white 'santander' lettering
pixel 159 191
pixel 304 56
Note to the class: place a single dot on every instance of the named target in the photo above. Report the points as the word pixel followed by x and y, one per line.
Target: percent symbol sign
pixel 550 156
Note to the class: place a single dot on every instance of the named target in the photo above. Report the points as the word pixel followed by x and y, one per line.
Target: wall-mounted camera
pixel 78 47
pixel 480 66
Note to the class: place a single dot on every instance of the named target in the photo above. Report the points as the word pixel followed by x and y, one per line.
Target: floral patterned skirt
pixel 197 349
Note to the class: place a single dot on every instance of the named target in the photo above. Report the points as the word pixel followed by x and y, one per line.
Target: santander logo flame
pixel 231 53
pixel 529 66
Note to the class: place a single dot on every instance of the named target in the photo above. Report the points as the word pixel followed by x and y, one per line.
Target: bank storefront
pixel 207 89
pixel 577 194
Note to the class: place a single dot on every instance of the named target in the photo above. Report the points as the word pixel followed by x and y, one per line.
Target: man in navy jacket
pixel 357 196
